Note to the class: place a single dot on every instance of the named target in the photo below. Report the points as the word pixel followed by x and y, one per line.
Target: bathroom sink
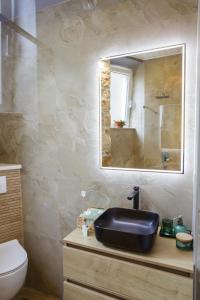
pixel 128 229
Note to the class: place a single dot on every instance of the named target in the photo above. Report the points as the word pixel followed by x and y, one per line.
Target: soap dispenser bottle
pixel 180 227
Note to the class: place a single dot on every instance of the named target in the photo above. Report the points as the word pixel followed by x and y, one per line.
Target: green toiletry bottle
pixel 180 227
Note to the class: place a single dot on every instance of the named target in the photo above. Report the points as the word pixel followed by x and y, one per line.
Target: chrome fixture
pixel 151 109
pixel 162 96
pixel 165 159
pixel 135 196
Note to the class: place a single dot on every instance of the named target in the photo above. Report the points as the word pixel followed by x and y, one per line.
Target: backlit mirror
pixel 142 110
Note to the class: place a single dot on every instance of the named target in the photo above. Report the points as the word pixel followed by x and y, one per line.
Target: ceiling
pixel 126 62
pixel 10 7
pixel 14 8
pixel 40 4
pixel 132 61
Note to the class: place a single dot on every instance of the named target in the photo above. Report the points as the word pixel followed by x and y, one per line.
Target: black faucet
pixel 135 196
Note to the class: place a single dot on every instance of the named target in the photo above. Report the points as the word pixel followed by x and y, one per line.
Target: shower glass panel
pixel 20 47
pixel 18 24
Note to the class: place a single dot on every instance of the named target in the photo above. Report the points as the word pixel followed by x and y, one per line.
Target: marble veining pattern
pixel 56 87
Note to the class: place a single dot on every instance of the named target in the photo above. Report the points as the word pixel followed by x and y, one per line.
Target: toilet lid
pixel 12 256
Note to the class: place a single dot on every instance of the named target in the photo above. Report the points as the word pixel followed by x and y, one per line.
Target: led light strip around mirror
pixel 163 51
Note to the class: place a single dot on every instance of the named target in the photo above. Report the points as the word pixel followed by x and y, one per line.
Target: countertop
pixel 164 253
pixel 7 167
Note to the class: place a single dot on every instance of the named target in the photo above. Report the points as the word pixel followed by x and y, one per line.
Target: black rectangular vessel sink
pixel 129 229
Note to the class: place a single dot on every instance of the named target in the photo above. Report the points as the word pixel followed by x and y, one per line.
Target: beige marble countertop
pixel 164 253
pixel 7 167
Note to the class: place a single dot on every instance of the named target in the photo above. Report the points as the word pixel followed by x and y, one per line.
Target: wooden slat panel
pixel 14 235
pixel 125 279
pixel 75 292
pixel 13 200
pixel 11 220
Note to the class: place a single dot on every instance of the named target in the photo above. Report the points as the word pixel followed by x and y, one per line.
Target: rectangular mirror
pixel 142 110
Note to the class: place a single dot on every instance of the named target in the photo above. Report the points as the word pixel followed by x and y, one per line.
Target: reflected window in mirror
pixel 121 90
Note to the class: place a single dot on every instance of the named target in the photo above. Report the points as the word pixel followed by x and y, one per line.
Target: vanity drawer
pixel 76 292
pixel 124 278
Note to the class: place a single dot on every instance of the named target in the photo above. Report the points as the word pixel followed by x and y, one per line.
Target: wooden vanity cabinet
pixel 76 292
pixel 93 271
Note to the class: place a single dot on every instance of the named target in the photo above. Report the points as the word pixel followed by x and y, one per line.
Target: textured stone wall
pixel 56 86
pixel 105 112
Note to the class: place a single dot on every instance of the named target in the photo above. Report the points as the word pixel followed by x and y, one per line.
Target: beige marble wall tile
pixel 45 263
pixel 40 206
pixel 57 89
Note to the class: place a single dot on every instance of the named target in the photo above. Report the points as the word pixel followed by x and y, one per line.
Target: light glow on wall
pixel 0 62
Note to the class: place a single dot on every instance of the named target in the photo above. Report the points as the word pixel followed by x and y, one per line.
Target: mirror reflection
pixel 142 110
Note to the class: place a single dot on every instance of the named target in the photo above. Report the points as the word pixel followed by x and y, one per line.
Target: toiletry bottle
pixel 179 227
pixel 85 230
pixel 167 228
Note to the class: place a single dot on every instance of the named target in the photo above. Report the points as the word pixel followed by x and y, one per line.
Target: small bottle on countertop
pixel 85 229
pixel 180 227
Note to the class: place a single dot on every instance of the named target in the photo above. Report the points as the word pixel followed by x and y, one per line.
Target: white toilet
pixel 13 269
